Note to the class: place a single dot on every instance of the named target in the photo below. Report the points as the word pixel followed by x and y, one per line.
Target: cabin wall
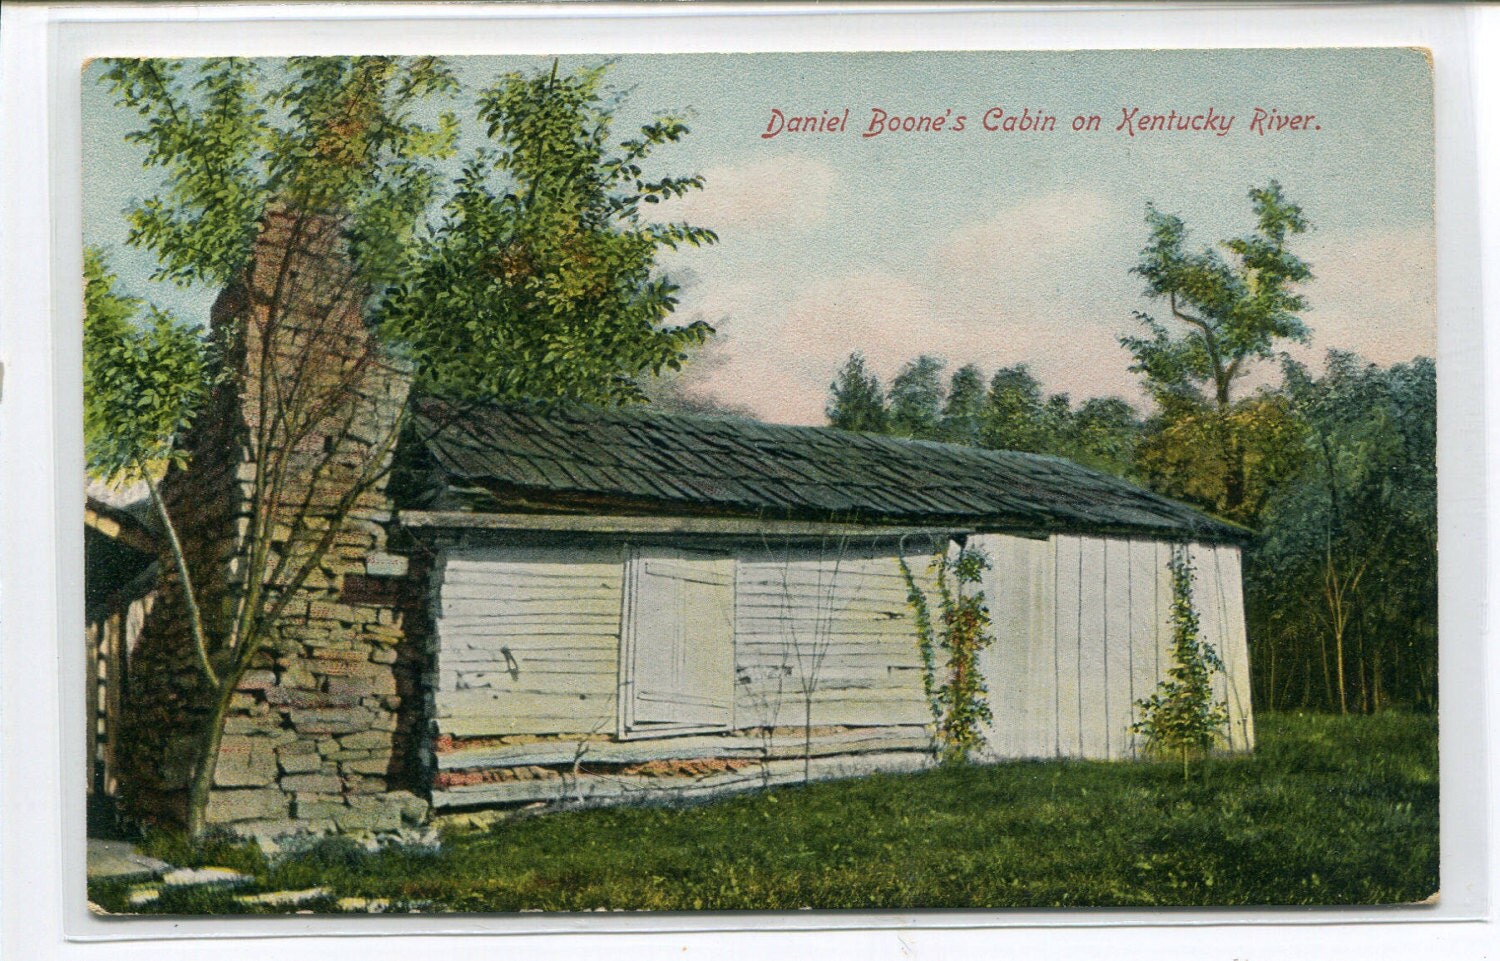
pixel 527 678
pixel 825 636
pixel 528 641
pixel 1082 632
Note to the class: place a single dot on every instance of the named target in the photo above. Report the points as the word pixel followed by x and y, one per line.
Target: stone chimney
pixel 298 434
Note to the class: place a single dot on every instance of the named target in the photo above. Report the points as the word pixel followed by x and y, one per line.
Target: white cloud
pixel 779 193
pixel 1373 292
pixel 1044 282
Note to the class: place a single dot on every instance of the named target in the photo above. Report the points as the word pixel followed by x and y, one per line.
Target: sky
pixel 988 247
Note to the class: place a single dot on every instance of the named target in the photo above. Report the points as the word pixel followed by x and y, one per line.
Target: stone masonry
pixel 316 738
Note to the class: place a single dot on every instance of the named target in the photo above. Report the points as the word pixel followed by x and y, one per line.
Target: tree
pixel 1181 717
pixel 1103 434
pixel 916 399
pixel 301 191
pixel 1182 452
pixel 1342 589
pixel 1014 415
pixel 963 411
pixel 264 172
pixel 856 400
pixel 540 281
pixel 1229 312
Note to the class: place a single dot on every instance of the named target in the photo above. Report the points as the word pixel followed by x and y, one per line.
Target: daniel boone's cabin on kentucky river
pixel 592 605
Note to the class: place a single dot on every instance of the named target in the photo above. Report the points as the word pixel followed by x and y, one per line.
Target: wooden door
pixel 680 641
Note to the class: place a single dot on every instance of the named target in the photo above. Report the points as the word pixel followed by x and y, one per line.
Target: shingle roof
pixel 637 458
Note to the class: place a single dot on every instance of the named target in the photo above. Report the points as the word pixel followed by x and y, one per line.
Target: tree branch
pixel 195 617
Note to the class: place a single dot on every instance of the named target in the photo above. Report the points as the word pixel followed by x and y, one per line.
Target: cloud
pixel 1373 292
pixel 1039 232
pixel 1043 282
pixel 779 193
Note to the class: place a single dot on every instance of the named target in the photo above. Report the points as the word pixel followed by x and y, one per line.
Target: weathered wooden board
pixel 1119 656
pixel 1069 634
pixel 1005 663
pixel 596 788
pixel 1241 715
pixel 555 612
pixel 529 680
pixel 1145 616
pixel 1207 600
pixel 1093 637
pixel 740 745
pixel 1039 721
pixel 1164 605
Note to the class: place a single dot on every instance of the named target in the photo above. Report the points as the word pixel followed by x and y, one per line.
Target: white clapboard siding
pixel 1234 686
pixel 1082 630
pixel 1119 650
pixel 1005 663
pixel 1020 667
pixel 834 620
pixel 527 640
pixel 1164 606
pixel 1040 721
pixel 1208 601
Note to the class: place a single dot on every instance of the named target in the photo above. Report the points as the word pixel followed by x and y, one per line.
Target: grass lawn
pixel 1329 810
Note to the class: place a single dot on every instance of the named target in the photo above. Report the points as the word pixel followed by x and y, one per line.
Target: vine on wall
pixel 1181 717
pixel 959 705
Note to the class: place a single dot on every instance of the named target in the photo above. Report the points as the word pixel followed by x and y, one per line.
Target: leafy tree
pixel 549 271
pixel 142 383
pixel 856 400
pixel 963 410
pixel 326 145
pixel 1181 717
pixel 1342 589
pixel 1182 451
pixel 1103 434
pixel 1230 309
pixel 142 387
pixel 1014 417
pixel 916 399
pixel 540 282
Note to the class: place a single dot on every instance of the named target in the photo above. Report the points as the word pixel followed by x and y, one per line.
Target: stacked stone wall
pixel 319 728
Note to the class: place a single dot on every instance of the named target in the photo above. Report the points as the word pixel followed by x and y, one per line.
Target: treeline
pixel 1005 411
pixel 1335 472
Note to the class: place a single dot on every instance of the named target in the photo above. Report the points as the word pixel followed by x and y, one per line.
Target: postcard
pixel 767 481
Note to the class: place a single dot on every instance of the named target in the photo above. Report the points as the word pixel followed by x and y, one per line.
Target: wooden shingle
pixel 646 460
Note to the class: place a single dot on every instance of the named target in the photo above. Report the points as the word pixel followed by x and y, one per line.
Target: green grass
pixel 1328 811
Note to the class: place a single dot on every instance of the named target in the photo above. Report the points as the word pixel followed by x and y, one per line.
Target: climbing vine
pixel 1181 717
pixel 960 706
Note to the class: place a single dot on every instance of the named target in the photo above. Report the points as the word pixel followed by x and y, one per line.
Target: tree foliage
pixel 856 401
pixel 916 399
pixel 540 281
pixel 1229 307
pixel 143 382
pixel 1343 585
pixel 231 136
pixel 963 408
pixel 1015 415
pixel 535 279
